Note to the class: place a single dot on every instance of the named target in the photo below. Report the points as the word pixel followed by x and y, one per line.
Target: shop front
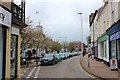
pixel 14 52
pixel 5 24
pixel 103 49
pixel 115 46
pixel 114 39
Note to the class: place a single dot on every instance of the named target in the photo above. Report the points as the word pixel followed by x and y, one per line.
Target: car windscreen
pixel 48 55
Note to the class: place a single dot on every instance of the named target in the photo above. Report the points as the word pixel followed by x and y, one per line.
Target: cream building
pixel 10 31
pixel 100 22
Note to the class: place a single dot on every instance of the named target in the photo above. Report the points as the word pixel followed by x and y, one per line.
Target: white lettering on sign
pixel 2 16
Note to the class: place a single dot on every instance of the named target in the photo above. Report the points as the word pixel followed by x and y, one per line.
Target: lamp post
pixel 37 41
pixel 81 34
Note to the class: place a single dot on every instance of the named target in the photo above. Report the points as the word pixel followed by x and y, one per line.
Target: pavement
pixel 32 63
pixel 98 69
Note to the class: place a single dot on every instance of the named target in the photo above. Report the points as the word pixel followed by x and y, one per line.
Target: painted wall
pixel 114 12
pixel 7 4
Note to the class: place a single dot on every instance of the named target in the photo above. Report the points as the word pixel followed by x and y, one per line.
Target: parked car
pixel 67 54
pixel 49 59
pixel 62 56
pixel 58 57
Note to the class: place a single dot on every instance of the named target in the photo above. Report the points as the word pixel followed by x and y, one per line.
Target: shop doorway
pixel 13 57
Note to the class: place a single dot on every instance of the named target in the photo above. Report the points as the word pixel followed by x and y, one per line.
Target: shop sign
pixel 103 38
pixel 115 36
pixel 5 17
pixel 15 31
pixel 114 64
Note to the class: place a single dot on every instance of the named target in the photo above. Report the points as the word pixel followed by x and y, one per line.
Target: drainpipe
pixel 93 40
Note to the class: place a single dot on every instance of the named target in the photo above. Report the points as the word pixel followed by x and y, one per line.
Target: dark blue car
pixel 48 59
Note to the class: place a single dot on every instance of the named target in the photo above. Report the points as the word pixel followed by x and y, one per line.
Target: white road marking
pixel 24 72
pixel 36 75
pixel 31 72
pixel 21 74
pixel 28 77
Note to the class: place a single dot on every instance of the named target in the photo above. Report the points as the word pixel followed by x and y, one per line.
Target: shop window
pixel 118 48
pixel 1 52
pixel 13 56
pixel 113 49
pixel 102 49
pixel 105 54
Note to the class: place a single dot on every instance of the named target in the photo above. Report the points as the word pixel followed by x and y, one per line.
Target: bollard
pixel 88 59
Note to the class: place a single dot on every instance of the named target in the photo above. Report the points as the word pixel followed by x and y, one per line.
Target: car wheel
pixel 42 64
pixel 53 62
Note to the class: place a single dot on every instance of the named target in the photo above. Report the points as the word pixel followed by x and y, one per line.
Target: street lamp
pixel 81 34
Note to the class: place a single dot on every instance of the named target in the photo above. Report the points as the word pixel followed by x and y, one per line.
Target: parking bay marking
pixel 24 72
pixel 37 72
pixel 31 72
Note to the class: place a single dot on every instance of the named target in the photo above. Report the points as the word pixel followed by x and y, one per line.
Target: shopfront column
pixel 18 56
pixel 8 41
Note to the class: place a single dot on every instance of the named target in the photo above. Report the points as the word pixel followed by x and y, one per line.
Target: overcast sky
pixel 59 18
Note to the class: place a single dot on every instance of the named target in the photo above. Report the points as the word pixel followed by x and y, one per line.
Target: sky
pixel 60 18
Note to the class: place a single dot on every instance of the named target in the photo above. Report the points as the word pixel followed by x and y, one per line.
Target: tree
pixel 88 39
pixel 56 46
pixel 70 46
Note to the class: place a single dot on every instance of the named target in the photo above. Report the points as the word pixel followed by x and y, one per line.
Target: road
pixel 69 68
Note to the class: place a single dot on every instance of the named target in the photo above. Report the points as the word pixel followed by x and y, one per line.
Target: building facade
pixel 104 25
pixel 11 24
pixel 5 26
pixel 77 46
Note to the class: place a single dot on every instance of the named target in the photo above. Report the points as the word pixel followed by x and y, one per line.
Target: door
pixel 13 56
pixel 118 52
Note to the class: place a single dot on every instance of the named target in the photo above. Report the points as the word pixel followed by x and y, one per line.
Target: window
pixel 105 54
pixel 113 49
pixel 13 56
pixel 102 49
pixel 113 16
pixel 112 9
pixel 1 51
